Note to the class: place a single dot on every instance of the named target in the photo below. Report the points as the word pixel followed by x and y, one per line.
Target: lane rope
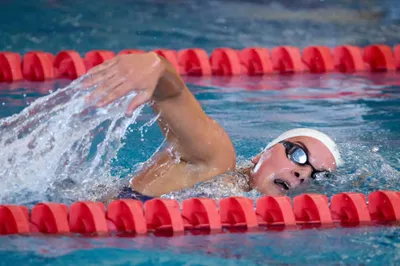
pixel 158 216
pixel 41 66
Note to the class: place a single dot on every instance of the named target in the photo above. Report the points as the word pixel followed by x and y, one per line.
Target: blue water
pixel 355 246
pixel 362 112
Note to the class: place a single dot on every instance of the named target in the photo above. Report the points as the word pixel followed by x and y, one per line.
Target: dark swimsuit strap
pixel 129 193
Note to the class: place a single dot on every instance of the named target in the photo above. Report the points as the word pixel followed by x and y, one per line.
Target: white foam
pixel 60 147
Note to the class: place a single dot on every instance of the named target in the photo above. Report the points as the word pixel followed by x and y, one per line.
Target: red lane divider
pixel 10 67
pixel 87 218
pixel 379 58
pixel 40 66
pixel 348 59
pixel 69 64
pixel 127 216
pixel 311 209
pixel 164 215
pixel 350 208
pixel 201 214
pixel 256 61
pixel 50 218
pixel 318 59
pixel 384 206
pixel 287 59
pixel 275 211
pixel 397 55
pixel 194 62
pixel 225 62
pixel 237 212
pixel 14 220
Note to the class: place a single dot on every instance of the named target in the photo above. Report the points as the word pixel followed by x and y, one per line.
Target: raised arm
pixel 198 149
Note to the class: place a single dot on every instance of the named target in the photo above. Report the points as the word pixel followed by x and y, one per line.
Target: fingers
pixel 101 72
pixel 141 98
pixel 108 85
pixel 104 66
pixel 115 94
pixel 99 77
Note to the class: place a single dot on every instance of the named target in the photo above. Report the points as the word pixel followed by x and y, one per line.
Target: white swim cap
pixel 307 132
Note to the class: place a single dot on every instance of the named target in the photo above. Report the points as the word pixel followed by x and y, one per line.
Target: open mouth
pixel 283 184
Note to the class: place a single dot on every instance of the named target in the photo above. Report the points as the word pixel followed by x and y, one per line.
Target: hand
pixel 124 74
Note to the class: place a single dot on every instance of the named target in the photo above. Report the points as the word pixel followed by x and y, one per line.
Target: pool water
pixel 361 112
pixel 351 246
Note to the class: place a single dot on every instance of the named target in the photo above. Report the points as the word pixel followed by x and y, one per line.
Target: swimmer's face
pixel 275 174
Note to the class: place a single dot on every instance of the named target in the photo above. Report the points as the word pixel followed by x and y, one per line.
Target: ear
pixel 255 159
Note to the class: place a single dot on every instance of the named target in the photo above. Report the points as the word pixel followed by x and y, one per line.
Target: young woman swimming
pixel 198 148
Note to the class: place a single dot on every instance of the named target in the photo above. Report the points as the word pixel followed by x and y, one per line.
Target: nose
pixel 302 173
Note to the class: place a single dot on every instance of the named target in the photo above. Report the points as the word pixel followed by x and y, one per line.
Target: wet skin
pixel 198 147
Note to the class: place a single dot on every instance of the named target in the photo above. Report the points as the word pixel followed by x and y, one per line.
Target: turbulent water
pixel 60 148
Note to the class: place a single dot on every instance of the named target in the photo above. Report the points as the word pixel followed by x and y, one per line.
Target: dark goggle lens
pixel 298 155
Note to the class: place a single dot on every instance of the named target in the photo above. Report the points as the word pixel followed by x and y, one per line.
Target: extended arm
pixel 198 147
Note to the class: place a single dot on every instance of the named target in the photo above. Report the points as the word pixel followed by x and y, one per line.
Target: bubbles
pixel 233 183
pixel 365 171
pixel 60 148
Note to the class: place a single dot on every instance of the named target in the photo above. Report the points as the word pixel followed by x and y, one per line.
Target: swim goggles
pixel 299 156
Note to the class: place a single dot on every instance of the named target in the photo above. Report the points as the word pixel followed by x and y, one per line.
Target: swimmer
pixel 198 149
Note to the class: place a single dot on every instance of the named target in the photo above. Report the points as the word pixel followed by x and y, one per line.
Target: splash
pixel 60 148
pixel 233 183
pixel 366 170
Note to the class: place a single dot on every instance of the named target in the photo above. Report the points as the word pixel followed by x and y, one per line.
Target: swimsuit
pixel 129 193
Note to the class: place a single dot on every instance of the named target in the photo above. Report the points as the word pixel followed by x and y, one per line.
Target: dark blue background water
pixel 360 111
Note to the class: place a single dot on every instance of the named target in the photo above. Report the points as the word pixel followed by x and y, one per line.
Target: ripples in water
pixel 361 112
